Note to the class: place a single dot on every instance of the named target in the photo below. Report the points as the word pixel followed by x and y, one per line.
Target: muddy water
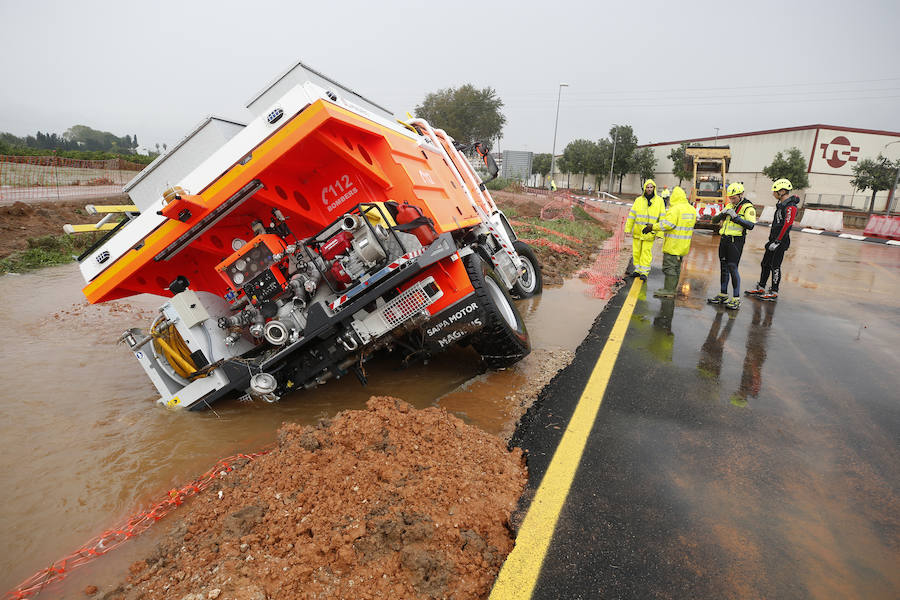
pixel 83 445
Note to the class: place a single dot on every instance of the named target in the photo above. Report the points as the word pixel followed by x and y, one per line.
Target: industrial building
pixel 830 151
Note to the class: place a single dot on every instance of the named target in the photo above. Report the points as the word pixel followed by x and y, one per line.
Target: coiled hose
pixel 168 343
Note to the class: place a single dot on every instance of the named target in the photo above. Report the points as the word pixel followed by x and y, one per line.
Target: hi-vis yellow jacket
pixel 677 224
pixel 746 211
pixel 643 213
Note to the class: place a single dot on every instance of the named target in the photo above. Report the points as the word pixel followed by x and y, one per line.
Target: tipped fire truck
pixel 294 247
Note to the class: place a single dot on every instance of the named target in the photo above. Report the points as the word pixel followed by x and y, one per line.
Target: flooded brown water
pixel 83 444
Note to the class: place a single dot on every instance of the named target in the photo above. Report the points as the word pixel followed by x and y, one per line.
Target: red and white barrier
pixel 884 227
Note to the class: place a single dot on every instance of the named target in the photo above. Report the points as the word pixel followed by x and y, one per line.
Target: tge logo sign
pixel 838 152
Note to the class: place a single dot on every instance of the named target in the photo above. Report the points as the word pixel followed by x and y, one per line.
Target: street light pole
pixel 555 126
pixel 716 143
pixel 613 161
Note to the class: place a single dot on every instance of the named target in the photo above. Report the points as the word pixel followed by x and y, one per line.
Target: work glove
pixel 730 212
pixel 773 246
pixel 647 229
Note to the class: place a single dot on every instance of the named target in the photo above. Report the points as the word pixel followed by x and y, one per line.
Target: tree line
pixel 79 141
pixel 617 154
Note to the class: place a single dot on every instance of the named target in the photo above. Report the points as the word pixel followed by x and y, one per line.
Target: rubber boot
pixel 668 288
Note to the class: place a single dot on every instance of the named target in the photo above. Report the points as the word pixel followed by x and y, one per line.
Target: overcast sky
pixel 672 70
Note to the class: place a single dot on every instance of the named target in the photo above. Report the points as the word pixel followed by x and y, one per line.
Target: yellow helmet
pixel 735 188
pixel 782 184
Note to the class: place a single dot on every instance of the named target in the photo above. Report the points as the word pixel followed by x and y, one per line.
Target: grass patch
pixel 46 251
pixel 589 232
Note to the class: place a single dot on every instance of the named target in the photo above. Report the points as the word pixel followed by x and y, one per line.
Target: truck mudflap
pixel 454 324
pixel 487 318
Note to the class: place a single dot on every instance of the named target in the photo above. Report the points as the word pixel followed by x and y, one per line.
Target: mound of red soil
pixel 390 502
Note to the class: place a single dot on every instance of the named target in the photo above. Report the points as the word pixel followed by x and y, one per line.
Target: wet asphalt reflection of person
pixel 710 364
pixel 755 355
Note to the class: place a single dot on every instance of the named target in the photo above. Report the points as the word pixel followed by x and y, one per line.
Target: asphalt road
pixel 747 454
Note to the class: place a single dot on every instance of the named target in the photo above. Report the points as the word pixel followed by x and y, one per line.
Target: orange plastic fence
pixel 603 273
pixel 559 207
pixel 34 178
pixel 135 525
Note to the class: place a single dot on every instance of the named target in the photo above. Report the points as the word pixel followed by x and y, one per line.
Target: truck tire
pixel 531 282
pixel 504 339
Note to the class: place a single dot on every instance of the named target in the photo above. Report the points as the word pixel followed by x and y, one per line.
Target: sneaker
pixel 643 277
pixel 718 299
pixel 757 291
pixel 770 295
pixel 733 303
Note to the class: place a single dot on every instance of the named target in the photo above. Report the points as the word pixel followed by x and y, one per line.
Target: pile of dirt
pixel 390 502
pixel 20 221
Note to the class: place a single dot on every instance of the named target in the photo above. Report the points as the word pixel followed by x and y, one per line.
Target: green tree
pixel 540 163
pixel 625 143
pixel 578 156
pixel 874 174
pixel 643 162
pixel 466 113
pixel 792 166
pixel 679 165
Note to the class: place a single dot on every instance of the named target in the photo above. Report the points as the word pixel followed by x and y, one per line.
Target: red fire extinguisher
pixel 407 214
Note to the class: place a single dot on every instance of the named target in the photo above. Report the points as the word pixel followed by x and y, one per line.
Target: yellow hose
pixel 170 344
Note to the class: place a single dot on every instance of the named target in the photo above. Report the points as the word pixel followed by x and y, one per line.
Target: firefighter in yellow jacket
pixel 646 210
pixel 737 219
pixel 677 226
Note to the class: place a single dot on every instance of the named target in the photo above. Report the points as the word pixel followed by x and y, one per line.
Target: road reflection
pixel 710 363
pixel 755 355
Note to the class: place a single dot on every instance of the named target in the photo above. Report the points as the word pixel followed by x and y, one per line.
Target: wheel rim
pixel 527 279
pixel 500 301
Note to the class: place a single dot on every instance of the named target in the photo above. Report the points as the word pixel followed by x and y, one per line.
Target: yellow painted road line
pixel 520 572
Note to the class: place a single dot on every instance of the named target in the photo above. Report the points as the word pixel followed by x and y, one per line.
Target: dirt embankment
pixel 556 266
pixel 21 221
pixel 390 502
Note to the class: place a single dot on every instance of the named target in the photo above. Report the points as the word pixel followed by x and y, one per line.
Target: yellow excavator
pixel 708 165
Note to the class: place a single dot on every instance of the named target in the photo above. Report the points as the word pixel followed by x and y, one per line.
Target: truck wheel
pixel 530 282
pixel 504 339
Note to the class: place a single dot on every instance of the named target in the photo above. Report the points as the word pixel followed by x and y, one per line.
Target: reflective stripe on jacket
pixel 677 224
pixel 644 213
pixel 745 211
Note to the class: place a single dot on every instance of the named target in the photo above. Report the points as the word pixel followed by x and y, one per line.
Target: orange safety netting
pixel 603 273
pixel 30 178
pixel 559 207
pixel 135 525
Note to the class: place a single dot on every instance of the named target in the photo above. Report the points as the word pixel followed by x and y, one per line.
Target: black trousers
pixel 730 249
pixel 771 263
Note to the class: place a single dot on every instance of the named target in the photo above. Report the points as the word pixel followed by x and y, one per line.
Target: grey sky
pixel 672 70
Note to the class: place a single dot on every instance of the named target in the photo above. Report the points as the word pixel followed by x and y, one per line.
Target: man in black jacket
pixel 779 239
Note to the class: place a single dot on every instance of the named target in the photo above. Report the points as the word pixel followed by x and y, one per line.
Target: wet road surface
pixel 748 454
pixel 83 446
